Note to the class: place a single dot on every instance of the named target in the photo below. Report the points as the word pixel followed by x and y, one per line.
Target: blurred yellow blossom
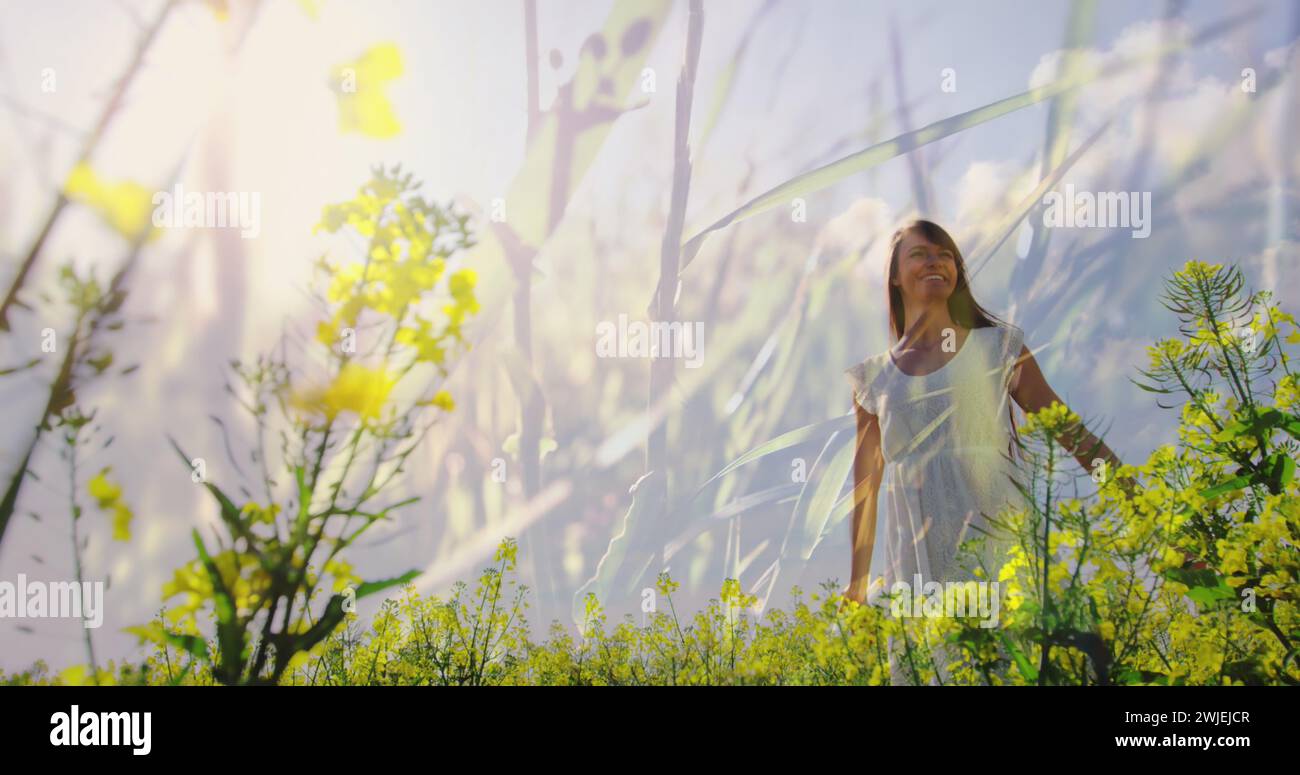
pixel 127 207
pixel 359 389
pixel 363 104
pixel 108 497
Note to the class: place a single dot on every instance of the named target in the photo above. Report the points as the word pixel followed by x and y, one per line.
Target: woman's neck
pixel 926 326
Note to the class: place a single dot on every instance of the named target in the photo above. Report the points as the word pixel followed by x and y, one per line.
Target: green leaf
pixel 304 503
pixel 779 494
pixel 985 251
pixel 318 631
pixel 1281 470
pixel 630 551
pixel 1026 669
pixel 1208 596
pixel 817 501
pixel 784 441
pixel 829 174
pixel 1193 577
pixel 230 513
pixel 1205 587
pixel 1258 425
pixel 1289 423
pixel 1231 485
pixel 843 507
pixel 371 587
pixel 1134 676
pixel 1151 388
pixel 230 634
pixel 155 633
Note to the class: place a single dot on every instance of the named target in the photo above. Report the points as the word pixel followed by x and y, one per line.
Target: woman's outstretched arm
pixel 1032 393
pixel 868 466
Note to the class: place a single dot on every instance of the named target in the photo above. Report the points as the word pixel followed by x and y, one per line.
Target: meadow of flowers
pixel 276 452
pixel 1179 571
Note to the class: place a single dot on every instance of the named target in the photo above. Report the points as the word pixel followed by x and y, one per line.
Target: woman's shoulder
pixel 864 377
pixel 870 366
pixel 1007 337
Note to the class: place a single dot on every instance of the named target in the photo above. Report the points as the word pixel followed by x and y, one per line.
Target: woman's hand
pixel 855 591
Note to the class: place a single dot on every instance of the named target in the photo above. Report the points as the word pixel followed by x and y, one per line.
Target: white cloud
pixel 866 222
pixel 986 189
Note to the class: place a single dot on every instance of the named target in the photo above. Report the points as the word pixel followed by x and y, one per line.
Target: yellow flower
pixel 219 8
pixel 345 282
pixel 462 285
pixel 1200 269
pixel 1050 420
pixel 108 497
pixel 188 578
pixel 121 522
pixel 357 389
pixel 1172 559
pixel 428 345
pixel 103 491
pixel 1287 394
pixel 442 400
pixel 1234 559
pixel 1165 351
pixel 326 334
pixel 343 574
pixel 256 513
pixel 82 675
pixel 360 85
pixel 127 206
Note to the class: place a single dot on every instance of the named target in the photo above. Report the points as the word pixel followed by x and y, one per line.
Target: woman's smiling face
pixel 925 272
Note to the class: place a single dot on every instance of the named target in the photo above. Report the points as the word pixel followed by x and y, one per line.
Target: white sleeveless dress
pixel 945 442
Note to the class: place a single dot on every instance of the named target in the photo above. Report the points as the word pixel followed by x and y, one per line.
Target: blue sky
pixel 265 121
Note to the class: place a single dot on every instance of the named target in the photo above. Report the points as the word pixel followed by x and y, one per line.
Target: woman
pixel 933 414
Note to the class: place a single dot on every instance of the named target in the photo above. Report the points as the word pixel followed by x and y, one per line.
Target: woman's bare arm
pixel 868 466
pixel 1033 393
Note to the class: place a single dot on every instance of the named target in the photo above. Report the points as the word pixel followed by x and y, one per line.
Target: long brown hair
pixel 962 307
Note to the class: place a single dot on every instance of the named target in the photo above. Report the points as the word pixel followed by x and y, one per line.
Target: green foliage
pixel 1179 571
pixel 1183 570
pixel 393 317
